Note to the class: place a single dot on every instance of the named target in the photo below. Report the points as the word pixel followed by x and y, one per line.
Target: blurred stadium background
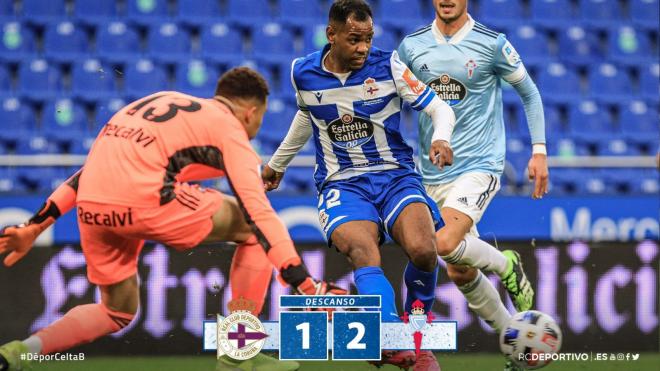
pixel 591 246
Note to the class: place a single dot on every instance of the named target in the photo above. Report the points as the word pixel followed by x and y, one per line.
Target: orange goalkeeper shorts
pixel 112 236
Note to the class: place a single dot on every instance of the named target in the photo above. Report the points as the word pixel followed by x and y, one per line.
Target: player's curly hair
pixel 341 10
pixel 242 82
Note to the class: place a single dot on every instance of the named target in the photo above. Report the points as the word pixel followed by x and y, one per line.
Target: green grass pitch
pixel 448 362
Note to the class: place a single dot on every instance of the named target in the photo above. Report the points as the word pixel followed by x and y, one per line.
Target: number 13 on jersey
pixel 355 335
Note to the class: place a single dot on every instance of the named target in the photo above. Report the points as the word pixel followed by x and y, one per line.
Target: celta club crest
pixel 471 65
pixel 418 319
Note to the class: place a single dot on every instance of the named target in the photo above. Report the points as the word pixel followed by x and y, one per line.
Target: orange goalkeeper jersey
pixel 170 137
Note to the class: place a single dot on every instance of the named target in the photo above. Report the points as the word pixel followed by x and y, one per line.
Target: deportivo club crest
pixel 369 88
pixel 418 320
pixel 240 335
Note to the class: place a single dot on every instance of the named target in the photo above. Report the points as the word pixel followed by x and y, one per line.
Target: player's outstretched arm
pixel 299 133
pixel 18 240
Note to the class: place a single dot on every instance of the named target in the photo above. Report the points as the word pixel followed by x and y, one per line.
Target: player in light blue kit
pixel 463 61
pixel 349 97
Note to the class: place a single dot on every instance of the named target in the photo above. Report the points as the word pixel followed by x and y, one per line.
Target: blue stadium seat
pixel 553 125
pixel 8 181
pixel 564 181
pixel 271 42
pixel 7 9
pixel 197 12
pixel 17 119
pixel 609 84
pixel 531 44
pixel 5 81
pixel 95 12
pixel 36 179
pixel 595 182
pixel 144 77
pixel 399 13
pixel 105 109
pixel 600 13
pixel 18 43
pixel 92 80
pixel 275 124
pixel 314 38
pixel 169 43
pixel 117 42
pixel 64 120
pixel 589 122
pixel 219 42
pixel 645 182
pixel 649 82
pixel 384 38
pixel 616 146
pixel 621 181
pixel 36 144
pixel 578 46
pixel 628 46
pixel 300 179
pixel 146 12
pixel 638 119
pixel 65 42
pixel 40 12
pixel 501 13
pixel 197 78
pixel 39 80
pixel 300 13
pixel 566 148
pixel 552 13
pixel 558 84
pixel 645 13
pixel 249 12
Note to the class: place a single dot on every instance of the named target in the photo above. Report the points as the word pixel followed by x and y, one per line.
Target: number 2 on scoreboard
pixel 353 344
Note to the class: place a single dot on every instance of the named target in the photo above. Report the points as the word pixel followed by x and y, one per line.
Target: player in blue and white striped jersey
pixel 463 61
pixel 349 98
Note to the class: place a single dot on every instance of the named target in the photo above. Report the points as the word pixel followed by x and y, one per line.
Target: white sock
pixel 483 299
pixel 34 344
pixel 479 254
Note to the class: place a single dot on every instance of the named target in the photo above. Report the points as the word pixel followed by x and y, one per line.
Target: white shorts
pixel 470 194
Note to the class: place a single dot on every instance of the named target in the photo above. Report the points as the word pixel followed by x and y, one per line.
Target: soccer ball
pixel 531 339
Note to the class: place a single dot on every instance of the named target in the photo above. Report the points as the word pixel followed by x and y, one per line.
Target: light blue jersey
pixel 465 72
pixel 356 122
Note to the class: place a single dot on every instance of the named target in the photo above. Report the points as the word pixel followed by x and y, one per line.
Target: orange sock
pixel 80 325
pixel 250 274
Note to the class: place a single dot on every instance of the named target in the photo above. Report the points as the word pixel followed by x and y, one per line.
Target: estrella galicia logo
pixel 449 89
pixel 350 131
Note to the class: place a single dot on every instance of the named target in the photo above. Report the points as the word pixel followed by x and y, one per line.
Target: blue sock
pixel 372 281
pixel 424 292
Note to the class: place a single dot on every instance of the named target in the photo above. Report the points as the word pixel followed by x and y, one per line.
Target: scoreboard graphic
pixel 307 331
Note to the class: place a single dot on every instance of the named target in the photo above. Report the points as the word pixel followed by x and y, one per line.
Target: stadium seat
pixel 65 42
pixel 146 12
pixel 558 84
pixel 628 46
pixel 95 12
pixel 197 12
pixel 36 179
pixel 600 13
pixel 385 38
pixel 117 42
pixel 40 12
pixel 616 146
pixel 300 13
pixel 314 38
pixel 8 181
pixel 640 125
pixel 105 109
pixel 649 82
pixel 299 179
pixel 552 13
pixel 399 13
pixel 531 44
pixel 501 13
pixel 168 43
pixel 91 80
pixel 5 81
pixel 196 78
pixel 645 13
pixel 589 122
pixel 272 43
pixel 17 119
pixel 249 12
pixel 578 46
pixel 143 77
pixel 219 42
pixel 645 182
pixel 609 84
pixel 276 123
pixel 595 182
pixel 565 148
pixel 18 43
pixel 39 80
pixel 7 9
pixel 64 121
pixel 36 144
